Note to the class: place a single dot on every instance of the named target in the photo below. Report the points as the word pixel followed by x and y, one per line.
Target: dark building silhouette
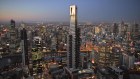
pixel 135 29
pixel 12 36
pixel 25 45
pixel 77 48
pixel 70 51
pixel 12 24
pixel 115 28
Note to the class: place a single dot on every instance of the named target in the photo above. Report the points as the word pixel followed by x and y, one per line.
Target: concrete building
pixel 12 37
pixel 128 60
pixel 104 56
pixel 115 29
pixel 107 56
pixel 73 40
pixel 135 29
pixel 116 56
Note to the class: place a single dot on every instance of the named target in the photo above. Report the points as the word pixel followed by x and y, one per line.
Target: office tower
pixel 12 36
pixel 116 56
pixel 122 29
pixel 108 56
pixel 12 24
pixel 73 40
pixel 128 60
pixel 135 29
pixel 77 48
pixel 53 43
pixel 69 51
pixel 104 56
pixel 24 46
pixel 115 29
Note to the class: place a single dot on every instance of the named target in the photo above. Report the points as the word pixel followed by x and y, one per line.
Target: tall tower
pixel 24 46
pixel 12 36
pixel 73 42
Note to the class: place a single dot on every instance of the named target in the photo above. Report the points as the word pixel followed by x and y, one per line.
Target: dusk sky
pixel 58 10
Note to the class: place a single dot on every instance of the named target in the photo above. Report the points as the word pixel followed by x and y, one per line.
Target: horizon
pixel 58 11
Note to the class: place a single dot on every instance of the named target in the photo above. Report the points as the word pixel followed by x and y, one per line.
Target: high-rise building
pixel 104 56
pixel 128 60
pixel 12 24
pixel 73 40
pixel 77 48
pixel 116 56
pixel 12 36
pixel 24 46
pixel 115 29
pixel 135 29
pixel 122 29
pixel 107 56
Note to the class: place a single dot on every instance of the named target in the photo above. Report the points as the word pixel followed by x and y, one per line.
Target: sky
pixel 58 10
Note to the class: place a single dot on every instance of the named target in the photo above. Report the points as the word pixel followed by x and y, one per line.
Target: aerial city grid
pixel 70 39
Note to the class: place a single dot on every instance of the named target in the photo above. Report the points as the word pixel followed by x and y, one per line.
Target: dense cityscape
pixel 69 50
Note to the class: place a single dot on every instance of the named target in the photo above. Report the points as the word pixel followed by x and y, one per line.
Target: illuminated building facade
pixel 73 40
pixel 108 56
pixel 104 56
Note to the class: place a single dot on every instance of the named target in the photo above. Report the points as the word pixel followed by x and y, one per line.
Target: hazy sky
pixel 58 10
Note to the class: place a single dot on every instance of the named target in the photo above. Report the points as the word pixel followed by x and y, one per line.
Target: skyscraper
pixel 77 48
pixel 12 24
pixel 115 29
pixel 12 36
pixel 73 40
pixel 24 46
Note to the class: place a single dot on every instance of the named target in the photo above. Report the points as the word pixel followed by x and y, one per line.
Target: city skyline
pixel 33 49
pixel 57 11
